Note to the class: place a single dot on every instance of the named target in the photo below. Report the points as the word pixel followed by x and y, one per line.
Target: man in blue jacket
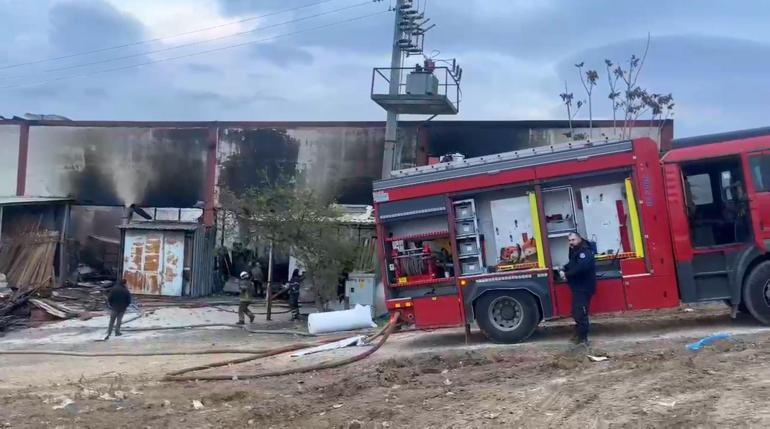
pixel 581 278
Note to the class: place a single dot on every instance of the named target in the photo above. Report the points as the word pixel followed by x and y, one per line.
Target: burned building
pixel 101 167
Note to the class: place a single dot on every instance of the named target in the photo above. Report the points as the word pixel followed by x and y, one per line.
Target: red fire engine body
pixel 481 238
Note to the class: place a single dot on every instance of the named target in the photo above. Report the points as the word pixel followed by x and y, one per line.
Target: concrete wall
pixel 9 148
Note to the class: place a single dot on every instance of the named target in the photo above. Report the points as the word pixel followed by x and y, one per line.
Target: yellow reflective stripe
pixel 535 214
pixel 633 215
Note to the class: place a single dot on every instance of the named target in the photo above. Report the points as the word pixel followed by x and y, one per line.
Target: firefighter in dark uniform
pixel 295 285
pixel 581 277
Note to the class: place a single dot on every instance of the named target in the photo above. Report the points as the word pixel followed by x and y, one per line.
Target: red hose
pixel 384 333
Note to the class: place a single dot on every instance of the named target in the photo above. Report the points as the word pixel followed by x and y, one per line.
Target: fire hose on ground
pixel 182 374
pixel 383 333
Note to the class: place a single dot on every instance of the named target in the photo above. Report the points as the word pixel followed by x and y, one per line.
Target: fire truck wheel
pixel 507 316
pixel 756 292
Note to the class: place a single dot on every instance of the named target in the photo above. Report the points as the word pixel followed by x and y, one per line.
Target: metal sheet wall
pixel 203 283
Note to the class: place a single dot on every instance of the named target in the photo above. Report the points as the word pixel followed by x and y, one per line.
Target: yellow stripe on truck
pixel 536 228
pixel 633 215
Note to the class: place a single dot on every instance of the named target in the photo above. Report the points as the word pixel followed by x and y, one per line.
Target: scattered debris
pixel 63 404
pixel 107 397
pixel 198 405
pixel 711 339
pixel 597 358
pixel 336 406
pixel 358 340
pixel 666 404
pixel 447 382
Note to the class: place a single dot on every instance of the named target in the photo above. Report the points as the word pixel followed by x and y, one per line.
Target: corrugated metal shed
pixel 168 258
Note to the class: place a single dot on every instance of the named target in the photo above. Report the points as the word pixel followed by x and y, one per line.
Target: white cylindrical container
pixel 358 317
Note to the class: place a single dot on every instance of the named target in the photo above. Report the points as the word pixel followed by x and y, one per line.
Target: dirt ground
pixel 418 379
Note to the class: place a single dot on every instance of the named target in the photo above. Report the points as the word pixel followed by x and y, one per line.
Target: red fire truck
pixel 479 238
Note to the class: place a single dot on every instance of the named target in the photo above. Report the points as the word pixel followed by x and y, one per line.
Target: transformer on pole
pixel 426 89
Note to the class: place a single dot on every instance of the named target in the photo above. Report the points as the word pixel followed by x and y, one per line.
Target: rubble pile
pixel 27 282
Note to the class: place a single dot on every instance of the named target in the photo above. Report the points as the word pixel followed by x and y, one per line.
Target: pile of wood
pixel 28 260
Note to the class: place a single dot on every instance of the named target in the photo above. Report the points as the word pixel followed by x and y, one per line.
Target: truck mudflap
pixel 536 284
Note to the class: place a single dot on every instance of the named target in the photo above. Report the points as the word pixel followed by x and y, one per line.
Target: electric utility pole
pixel 391 124
pixel 422 95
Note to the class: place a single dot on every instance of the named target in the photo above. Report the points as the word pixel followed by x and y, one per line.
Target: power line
pixel 199 42
pixel 208 51
pixel 158 39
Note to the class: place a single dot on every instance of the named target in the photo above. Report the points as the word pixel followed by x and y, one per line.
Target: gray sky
pixel 712 55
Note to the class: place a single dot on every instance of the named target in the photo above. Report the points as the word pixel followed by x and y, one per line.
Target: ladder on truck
pixel 487 164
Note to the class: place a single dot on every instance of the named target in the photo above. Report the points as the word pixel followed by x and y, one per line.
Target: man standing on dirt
pixel 581 277
pixel 118 299
pixel 246 287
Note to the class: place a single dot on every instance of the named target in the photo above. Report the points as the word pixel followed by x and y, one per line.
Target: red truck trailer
pixel 479 238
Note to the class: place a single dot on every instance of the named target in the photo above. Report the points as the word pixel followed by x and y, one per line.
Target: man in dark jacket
pixel 581 277
pixel 118 299
pixel 295 286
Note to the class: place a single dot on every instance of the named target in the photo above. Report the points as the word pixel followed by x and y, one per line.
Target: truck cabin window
pixel 717 207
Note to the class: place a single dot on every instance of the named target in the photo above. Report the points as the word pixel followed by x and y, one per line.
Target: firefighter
pixel 247 294
pixel 118 299
pixel 295 284
pixel 580 273
pixel 257 278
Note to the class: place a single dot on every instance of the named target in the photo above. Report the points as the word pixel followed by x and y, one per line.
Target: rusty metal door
pixel 153 262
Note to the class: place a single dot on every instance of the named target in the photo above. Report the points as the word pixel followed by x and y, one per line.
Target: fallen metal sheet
pixel 358 340
pixel 59 310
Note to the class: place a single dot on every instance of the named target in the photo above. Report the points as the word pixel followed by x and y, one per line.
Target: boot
pixel 241 322
pixel 251 318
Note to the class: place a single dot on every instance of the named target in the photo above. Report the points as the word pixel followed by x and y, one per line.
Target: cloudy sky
pixel 714 56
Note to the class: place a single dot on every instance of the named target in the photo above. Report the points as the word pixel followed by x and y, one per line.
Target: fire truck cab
pixel 480 239
pixel 718 193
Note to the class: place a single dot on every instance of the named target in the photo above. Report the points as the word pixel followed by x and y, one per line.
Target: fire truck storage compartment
pixel 596 207
pixel 468 238
pixel 417 247
pixel 504 220
pixel 437 311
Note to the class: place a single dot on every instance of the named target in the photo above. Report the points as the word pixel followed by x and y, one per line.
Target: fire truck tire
pixel 507 316
pixel 756 292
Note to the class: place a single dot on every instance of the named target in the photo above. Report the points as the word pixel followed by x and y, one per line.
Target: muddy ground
pixel 430 380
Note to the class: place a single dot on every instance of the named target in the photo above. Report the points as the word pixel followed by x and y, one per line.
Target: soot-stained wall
pixel 116 166
pixel 340 160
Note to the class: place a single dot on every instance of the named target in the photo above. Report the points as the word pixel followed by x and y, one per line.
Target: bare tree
pixel 625 94
pixel 589 82
pixel 612 82
pixel 567 98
